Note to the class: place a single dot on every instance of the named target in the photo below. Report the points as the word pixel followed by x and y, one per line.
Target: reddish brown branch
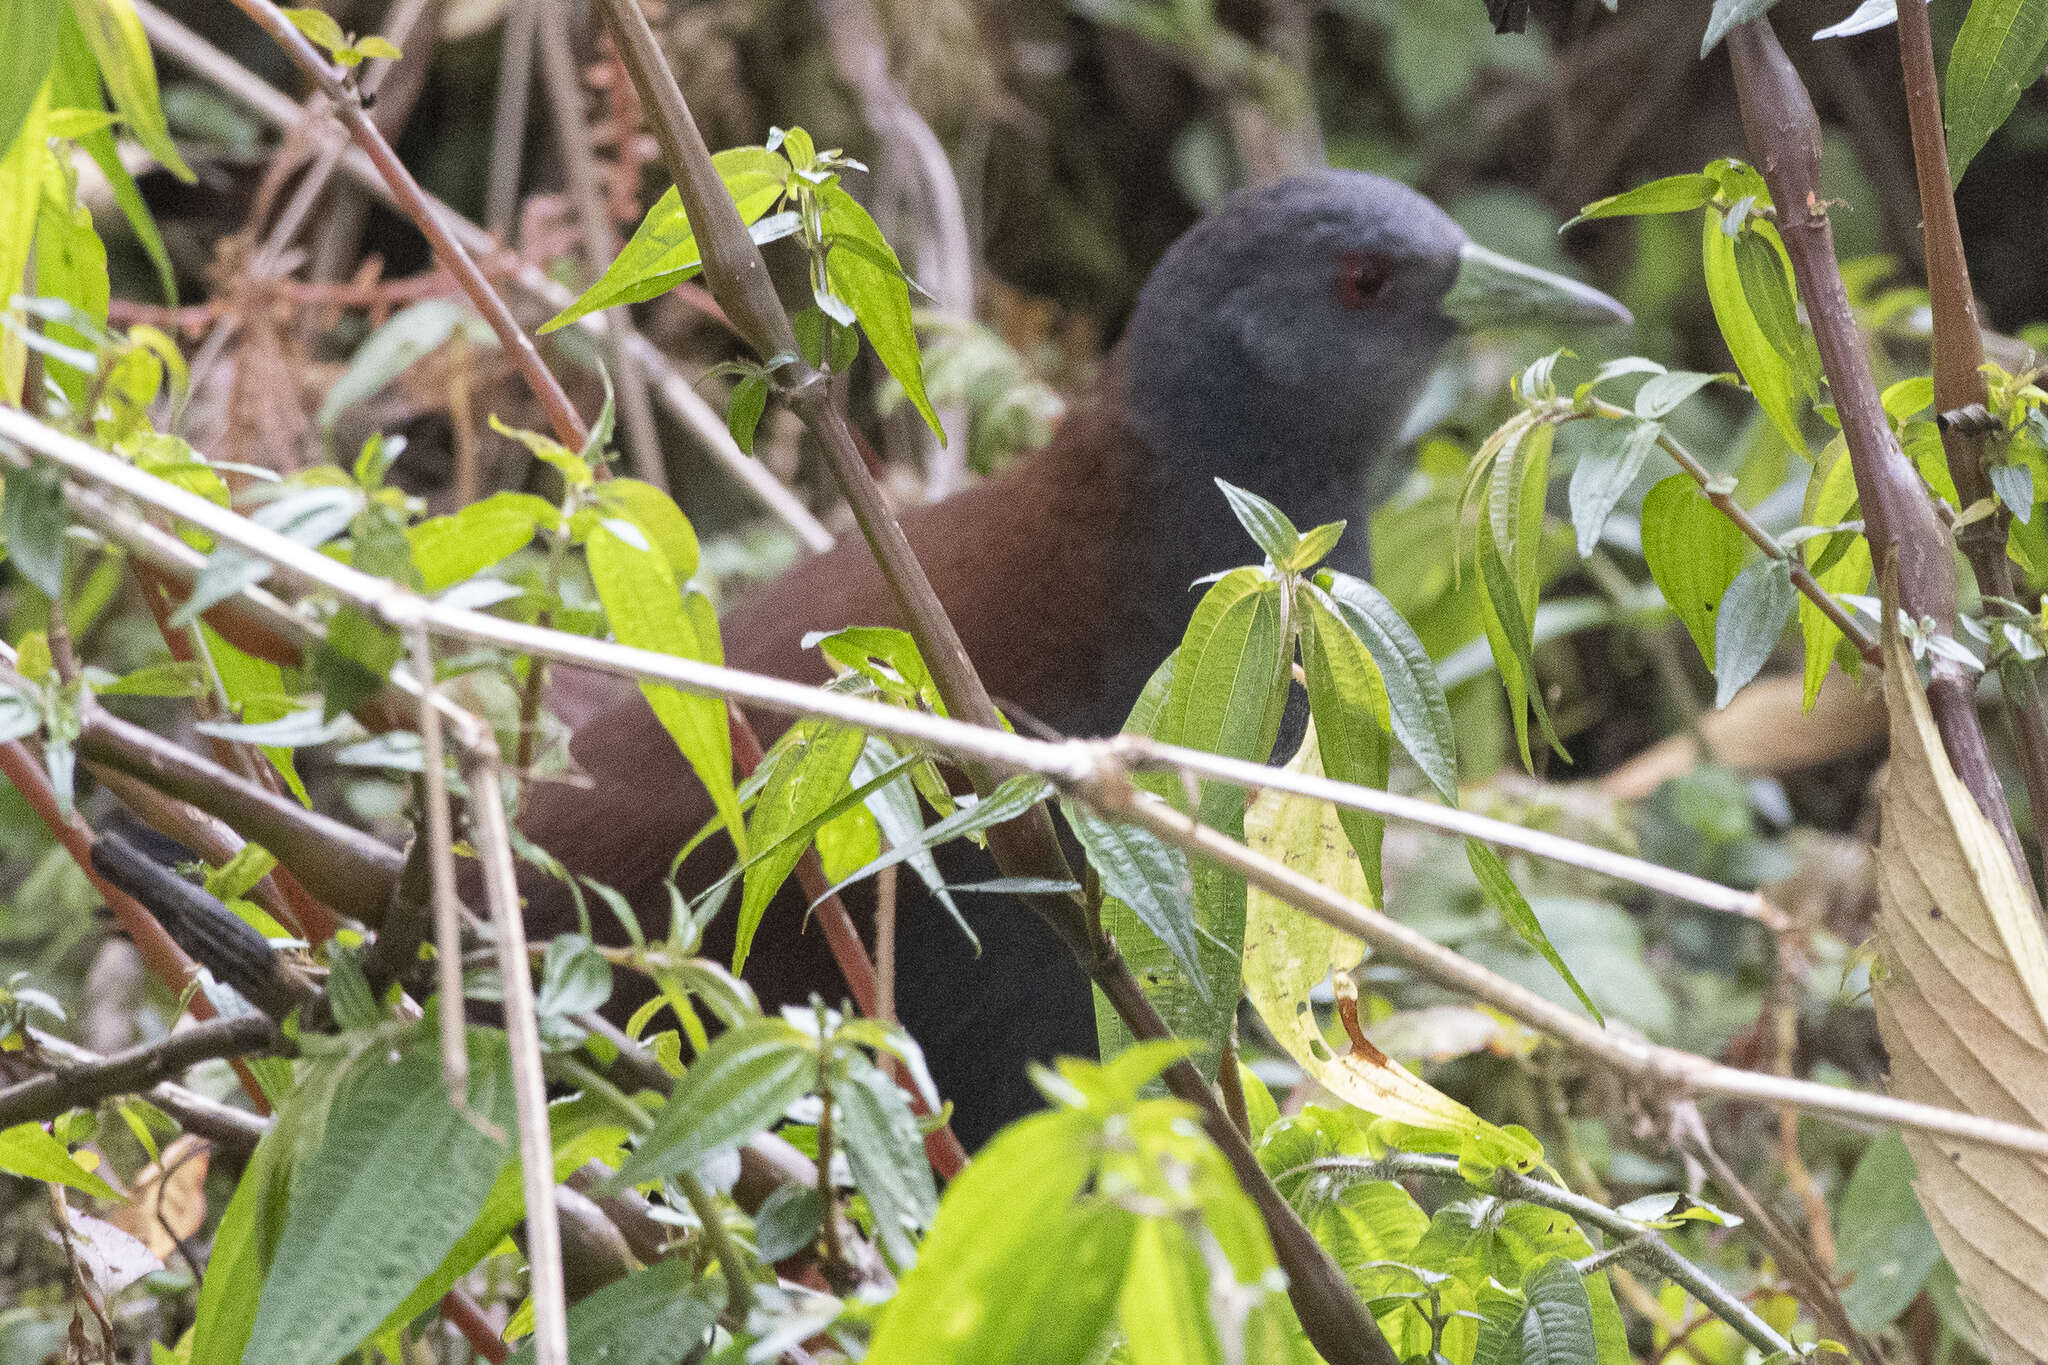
pixel 1898 513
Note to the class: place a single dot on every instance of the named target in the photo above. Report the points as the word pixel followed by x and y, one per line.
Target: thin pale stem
pixel 440 836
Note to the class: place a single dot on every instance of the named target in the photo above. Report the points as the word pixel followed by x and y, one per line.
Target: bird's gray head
pixel 1283 340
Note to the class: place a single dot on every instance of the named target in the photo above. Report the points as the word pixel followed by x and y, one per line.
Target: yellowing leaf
pixel 1287 954
pixel 1962 1003
pixel 114 32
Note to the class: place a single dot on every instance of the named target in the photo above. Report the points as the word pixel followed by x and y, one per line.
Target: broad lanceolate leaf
pixel 1557 1326
pixel 1746 629
pixel 1962 1003
pixel 734 1089
pixel 1287 954
pixel 1996 57
pixel 1766 372
pixel 32 521
pixel 886 1153
pixel 1348 701
pixel 1507 898
pixel 1608 467
pixel 29 1151
pixel 1421 716
pixel 863 270
pixel 1883 1238
pixel 451 549
pixel 369 1217
pixel 1672 194
pixel 1228 688
pixel 984 1290
pixel 412 333
pixel 663 252
pixel 1726 15
pixel 1147 875
pixel 641 600
pixel 1694 553
pixel 114 31
pixel 76 85
pixel 812 765
pixel 28 44
pixel 1830 499
pixel 652 1316
pixel 1268 526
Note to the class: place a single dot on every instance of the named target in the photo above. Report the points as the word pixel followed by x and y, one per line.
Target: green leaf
pixel 1726 15
pixel 1694 553
pixel 77 86
pixel 234 1279
pixel 319 26
pixel 411 334
pixel 32 522
pixel 1883 1240
pixel 1766 281
pixel 310 517
pixel 1661 393
pixel 734 1089
pixel 1605 472
pixel 811 766
pixel 1672 194
pixel 985 1290
pixel 743 410
pixel 1557 1327
pixel 658 518
pixel 1354 726
pixel 886 1153
pixel 1229 682
pixel 114 32
pixel 28 46
pixel 379 47
pixel 1746 629
pixel 1316 544
pixel 1507 899
pixel 663 252
pixel 1996 56
pixel 1145 874
pixel 1421 715
pixel 350 666
pixel 1164 1307
pixel 171 678
pixel 1765 371
pixel 452 549
pixel 575 978
pixel 879 297
pixel 2014 484
pixel 368 1217
pixel 29 1151
pixel 641 600
pixel 1266 524
pixel 1514 650
pixel 652 1316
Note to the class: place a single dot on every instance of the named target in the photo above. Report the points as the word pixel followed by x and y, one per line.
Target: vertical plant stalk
pixel 1959 383
pixel 441 868
pixel 508 124
pixel 482 771
pixel 1332 1316
pixel 1784 140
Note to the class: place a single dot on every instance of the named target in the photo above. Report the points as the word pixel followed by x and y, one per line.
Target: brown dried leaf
pixel 1962 1002
pixel 169 1197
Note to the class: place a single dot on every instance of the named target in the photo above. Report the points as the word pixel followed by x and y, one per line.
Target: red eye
pixel 1364 278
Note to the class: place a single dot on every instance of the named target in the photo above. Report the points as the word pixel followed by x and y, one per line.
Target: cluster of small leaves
pixel 345 48
pixel 786 188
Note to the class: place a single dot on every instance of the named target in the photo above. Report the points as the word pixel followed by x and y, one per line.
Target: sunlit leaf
pixel 1693 552
pixel 1997 55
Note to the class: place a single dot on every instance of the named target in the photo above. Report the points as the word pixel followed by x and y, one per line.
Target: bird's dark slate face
pixel 1282 341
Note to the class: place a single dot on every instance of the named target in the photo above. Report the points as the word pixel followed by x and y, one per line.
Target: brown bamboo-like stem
pixel 1331 1314
pixel 1784 139
pixel 1959 383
